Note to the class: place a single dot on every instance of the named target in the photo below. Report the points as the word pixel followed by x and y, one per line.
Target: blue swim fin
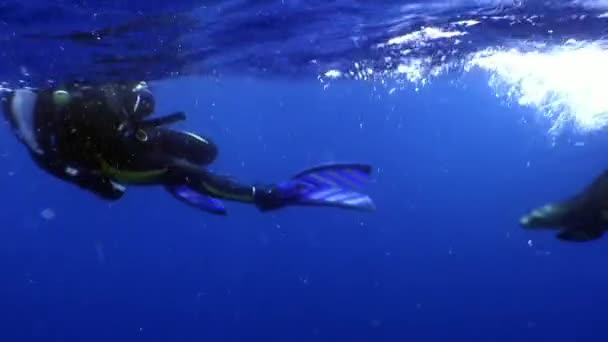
pixel 335 185
pixel 197 200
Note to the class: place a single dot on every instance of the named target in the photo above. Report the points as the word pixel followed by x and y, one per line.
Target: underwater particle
pixel 30 281
pixel 375 323
pixel 24 71
pixel 264 240
pixel 418 306
pixel 528 163
pixel 530 244
pixel 579 144
pixel 11 173
pixel 99 252
pixel 47 214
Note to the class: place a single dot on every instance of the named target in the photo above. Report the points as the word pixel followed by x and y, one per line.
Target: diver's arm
pixel 102 186
pixel 85 179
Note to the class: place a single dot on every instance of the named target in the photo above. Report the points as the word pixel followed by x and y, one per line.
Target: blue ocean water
pixel 472 113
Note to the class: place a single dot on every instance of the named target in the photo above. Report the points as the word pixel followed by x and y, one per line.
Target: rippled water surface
pixel 543 54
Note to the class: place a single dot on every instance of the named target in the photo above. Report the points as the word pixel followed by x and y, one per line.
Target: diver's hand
pixel 94 181
pixel 100 185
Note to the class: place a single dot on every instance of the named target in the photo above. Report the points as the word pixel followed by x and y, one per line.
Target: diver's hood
pixel 139 102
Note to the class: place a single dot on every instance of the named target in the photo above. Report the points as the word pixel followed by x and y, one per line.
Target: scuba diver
pixel 102 138
pixel 583 217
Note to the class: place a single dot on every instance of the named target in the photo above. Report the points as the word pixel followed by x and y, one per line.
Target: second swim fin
pixel 197 200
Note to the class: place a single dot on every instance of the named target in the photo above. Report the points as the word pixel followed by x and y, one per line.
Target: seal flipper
pixel 580 234
pixel 597 191
pixel 196 199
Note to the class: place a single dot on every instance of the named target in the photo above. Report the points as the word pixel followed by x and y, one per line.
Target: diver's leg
pixel 333 185
pixel 205 182
pixel 190 183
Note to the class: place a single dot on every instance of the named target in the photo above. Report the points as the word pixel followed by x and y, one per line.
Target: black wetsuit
pixel 59 136
pixel 92 136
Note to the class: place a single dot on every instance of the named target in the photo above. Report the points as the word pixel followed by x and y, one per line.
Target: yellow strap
pixel 226 195
pixel 152 175
pixel 128 176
